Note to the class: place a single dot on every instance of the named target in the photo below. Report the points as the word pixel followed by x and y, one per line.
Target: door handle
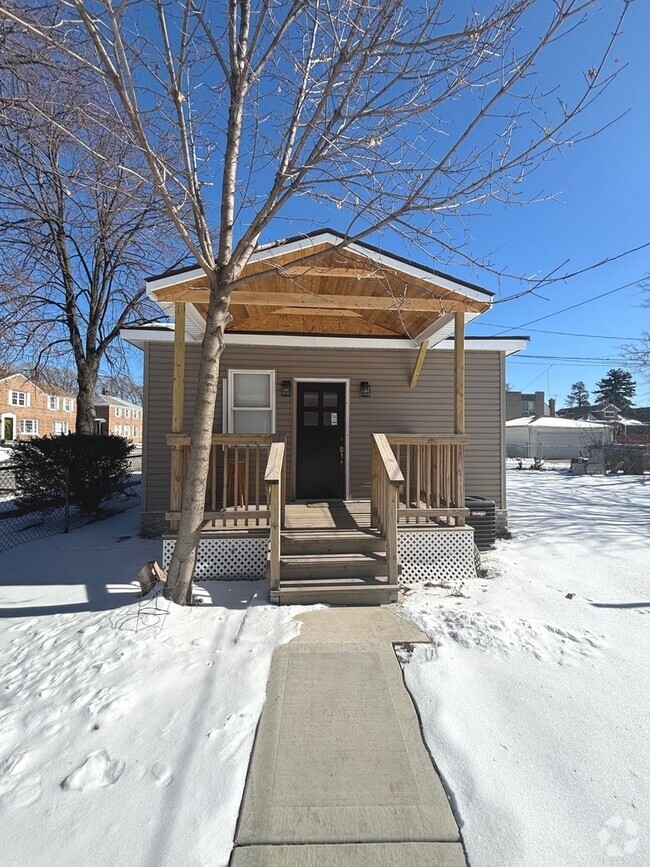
pixel 341 452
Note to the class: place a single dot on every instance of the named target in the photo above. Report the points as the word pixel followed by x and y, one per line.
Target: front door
pixel 8 431
pixel 320 445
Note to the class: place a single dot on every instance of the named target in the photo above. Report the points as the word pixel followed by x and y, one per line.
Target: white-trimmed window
pixel 60 427
pixel 29 426
pixel 67 404
pixel 52 402
pixel 118 411
pixel 118 430
pixel 127 413
pixel 136 413
pixel 20 398
pixel 251 401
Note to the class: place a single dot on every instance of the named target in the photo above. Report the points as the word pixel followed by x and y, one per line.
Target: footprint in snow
pixel 108 706
pixel 161 773
pixel 24 794
pixel 97 771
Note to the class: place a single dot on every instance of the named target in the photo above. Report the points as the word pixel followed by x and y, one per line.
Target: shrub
pixel 95 468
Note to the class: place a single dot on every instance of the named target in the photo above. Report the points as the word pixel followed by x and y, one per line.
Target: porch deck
pixel 329 515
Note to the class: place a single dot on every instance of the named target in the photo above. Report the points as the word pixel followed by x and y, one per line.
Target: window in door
pixel 60 427
pixel 251 401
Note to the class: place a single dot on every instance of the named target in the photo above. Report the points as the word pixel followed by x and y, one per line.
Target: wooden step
pixel 332 542
pixel 335 593
pixel 315 566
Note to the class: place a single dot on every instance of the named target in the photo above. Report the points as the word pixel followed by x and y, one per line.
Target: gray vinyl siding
pixel 393 407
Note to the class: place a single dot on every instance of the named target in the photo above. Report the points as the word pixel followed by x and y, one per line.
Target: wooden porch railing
pixel 385 483
pixel 235 494
pixel 275 480
pixel 434 476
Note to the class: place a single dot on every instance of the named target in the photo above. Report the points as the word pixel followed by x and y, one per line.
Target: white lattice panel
pixel 445 558
pixel 226 559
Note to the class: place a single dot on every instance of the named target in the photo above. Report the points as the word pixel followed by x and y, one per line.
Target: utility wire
pixel 560 333
pixel 579 304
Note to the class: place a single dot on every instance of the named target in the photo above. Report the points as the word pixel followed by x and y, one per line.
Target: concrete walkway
pixel 340 774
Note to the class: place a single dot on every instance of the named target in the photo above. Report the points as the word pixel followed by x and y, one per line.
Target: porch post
pixel 459 412
pixel 178 400
pixel 459 373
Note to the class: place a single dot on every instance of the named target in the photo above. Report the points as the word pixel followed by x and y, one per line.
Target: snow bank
pixel 125 728
pixel 535 693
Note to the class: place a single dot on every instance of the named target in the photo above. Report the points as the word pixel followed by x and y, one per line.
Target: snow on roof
pixel 553 421
pixel 110 400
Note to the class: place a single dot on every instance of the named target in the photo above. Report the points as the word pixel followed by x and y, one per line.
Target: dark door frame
pixel 294 426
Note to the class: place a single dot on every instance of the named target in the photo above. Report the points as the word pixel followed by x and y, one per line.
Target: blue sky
pixel 603 188
pixel 601 191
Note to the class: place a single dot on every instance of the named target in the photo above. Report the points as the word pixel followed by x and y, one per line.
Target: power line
pixel 579 304
pixel 560 333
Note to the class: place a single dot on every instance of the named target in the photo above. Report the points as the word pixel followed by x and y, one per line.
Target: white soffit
pixel 165 334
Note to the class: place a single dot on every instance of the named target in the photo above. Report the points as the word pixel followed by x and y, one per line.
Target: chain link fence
pixel 19 524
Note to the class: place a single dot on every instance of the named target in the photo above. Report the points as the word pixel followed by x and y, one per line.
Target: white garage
pixel 551 437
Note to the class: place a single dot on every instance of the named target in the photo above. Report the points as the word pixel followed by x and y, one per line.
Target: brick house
pixel 29 408
pixel 116 416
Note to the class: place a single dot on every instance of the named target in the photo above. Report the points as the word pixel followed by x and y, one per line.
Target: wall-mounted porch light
pixel 285 388
pixel 364 388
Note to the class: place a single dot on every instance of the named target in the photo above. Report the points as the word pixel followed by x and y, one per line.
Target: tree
pixel 616 387
pixel 578 396
pixel 638 353
pixel 402 117
pixel 78 231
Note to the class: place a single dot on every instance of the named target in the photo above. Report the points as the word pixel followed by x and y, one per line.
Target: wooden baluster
pixel 408 479
pixel 257 482
pixel 225 482
pixel 461 484
pixel 246 480
pixel 213 478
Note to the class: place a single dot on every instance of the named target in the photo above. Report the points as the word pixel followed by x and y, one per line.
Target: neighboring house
pixel 29 408
pixel 120 417
pixel 352 417
pixel 625 426
pixel 553 437
pixel 519 403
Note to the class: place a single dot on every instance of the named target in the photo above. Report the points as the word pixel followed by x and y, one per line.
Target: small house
pixel 353 416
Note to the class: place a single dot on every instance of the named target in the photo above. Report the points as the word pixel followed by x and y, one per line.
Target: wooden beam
pixel 419 362
pixel 459 373
pixel 315 301
pixel 178 393
pixel 178 400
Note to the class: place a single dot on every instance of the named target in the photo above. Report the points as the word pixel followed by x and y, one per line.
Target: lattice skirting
pixel 443 557
pixel 228 559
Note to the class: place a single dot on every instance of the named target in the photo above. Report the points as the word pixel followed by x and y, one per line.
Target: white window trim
pixel 61 422
pixel 53 399
pixel 230 391
pixel 67 404
pixel 33 422
pixel 118 412
pixel 28 398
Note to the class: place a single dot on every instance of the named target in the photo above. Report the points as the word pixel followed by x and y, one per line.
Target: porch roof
pixel 321 285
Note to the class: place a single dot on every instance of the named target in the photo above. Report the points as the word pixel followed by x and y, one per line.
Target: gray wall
pixel 514 403
pixel 392 408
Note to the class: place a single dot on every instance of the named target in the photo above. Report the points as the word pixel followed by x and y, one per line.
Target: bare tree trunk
pixel 181 568
pixel 87 382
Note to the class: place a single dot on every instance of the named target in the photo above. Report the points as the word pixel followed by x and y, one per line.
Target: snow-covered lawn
pixel 125 729
pixel 535 697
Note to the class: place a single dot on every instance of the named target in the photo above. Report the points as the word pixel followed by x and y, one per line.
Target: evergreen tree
pixel 578 396
pixel 616 387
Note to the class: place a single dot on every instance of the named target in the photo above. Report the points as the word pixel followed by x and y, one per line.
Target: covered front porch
pixel 290 495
